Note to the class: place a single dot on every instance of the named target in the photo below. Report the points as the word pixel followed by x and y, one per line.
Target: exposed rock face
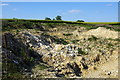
pixel 16 56
pixel 62 60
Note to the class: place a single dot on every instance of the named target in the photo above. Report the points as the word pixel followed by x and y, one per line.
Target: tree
pixel 53 19
pixel 47 18
pixel 14 18
pixel 80 21
pixel 58 18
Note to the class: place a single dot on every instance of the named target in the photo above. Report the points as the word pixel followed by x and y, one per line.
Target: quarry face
pixel 70 53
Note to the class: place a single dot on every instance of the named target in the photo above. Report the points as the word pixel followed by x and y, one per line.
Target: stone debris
pixel 72 60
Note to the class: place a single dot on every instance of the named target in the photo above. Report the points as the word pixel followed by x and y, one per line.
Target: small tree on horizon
pixel 47 18
pixel 80 21
pixel 53 19
pixel 58 18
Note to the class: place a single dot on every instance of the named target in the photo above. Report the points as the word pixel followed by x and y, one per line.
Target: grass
pixel 102 22
pixel 8 24
pixel 59 21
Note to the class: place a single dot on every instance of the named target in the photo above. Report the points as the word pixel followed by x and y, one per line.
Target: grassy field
pixel 59 21
pixel 9 24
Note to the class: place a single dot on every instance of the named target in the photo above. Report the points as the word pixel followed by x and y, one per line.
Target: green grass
pixel 9 24
pixel 102 22
pixel 59 21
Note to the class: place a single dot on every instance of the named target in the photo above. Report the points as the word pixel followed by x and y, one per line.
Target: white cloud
pixel 109 4
pixel 3 4
pixel 74 11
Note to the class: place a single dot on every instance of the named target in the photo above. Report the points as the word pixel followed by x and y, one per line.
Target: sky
pixel 60 0
pixel 70 11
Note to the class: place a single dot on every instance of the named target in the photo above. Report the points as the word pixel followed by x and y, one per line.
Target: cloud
pixel 109 4
pixel 4 4
pixel 74 11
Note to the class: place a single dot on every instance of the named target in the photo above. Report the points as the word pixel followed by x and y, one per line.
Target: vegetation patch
pixel 74 41
pixel 80 51
pixel 41 67
pixel 93 38
pixel 61 41
pixel 114 39
pixel 110 45
pixel 69 34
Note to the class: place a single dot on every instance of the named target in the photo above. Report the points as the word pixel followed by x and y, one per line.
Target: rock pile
pixel 69 60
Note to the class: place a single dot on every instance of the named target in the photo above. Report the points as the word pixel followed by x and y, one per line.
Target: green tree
pixel 53 19
pixel 58 18
pixel 14 18
pixel 80 21
pixel 47 18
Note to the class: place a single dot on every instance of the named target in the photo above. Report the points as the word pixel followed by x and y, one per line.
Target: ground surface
pixel 68 51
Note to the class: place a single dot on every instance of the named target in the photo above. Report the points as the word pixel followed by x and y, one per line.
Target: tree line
pixel 60 18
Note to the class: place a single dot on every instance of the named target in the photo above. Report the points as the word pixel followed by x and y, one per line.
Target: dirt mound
pixel 102 32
